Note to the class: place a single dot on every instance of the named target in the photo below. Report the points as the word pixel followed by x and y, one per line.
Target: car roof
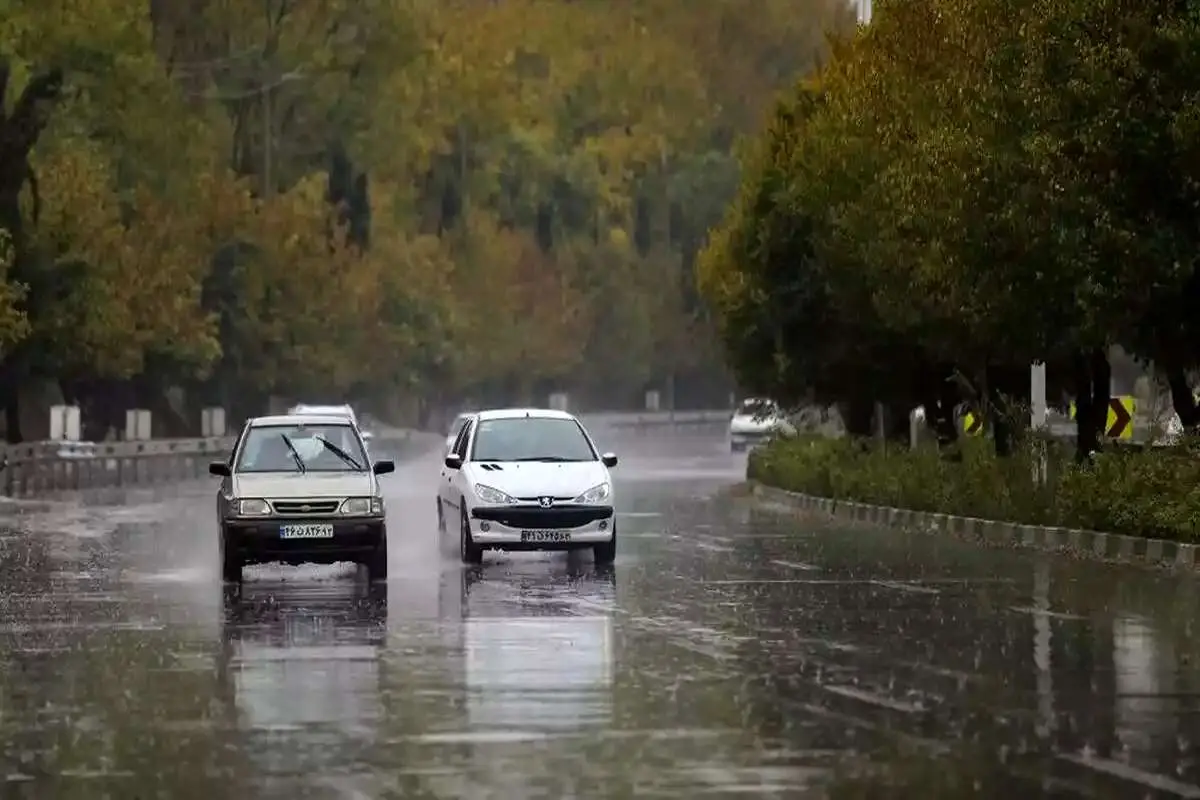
pixel 516 413
pixel 299 419
pixel 306 408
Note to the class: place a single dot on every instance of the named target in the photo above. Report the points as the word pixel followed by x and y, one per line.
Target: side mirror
pixel 367 436
pixel 453 461
pixel 219 468
pixel 609 459
pixel 383 467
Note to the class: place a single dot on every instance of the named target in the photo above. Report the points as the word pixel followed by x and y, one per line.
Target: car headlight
pixel 363 506
pixel 595 495
pixel 252 508
pixel 489 495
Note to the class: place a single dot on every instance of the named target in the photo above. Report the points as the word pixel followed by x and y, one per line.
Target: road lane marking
pixel 1041 612
pixel 873 699
pixel 906 587
pixel 1150 780
pixel 796 565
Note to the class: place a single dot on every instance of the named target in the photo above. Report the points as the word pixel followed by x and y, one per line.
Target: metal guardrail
pixel 650 419
pixel 39 468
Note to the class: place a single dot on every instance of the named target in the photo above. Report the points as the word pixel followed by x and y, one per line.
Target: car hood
pixel 311 484
pixel 749 423
pixel 534 479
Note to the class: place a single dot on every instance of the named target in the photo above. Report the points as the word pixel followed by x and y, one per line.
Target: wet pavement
pixel 731 651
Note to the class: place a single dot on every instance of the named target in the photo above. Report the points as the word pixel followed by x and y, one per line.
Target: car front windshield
pixel 758 408
pixel 329 447
pixel 551 439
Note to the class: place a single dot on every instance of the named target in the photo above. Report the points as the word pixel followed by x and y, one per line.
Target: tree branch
pixel 32 112
pixel 5 73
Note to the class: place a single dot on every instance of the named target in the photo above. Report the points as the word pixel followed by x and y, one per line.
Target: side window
pixel 464 436
pixel 458 439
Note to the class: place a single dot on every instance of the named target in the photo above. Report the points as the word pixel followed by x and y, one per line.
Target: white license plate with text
pixel 545 536
pixel 305 531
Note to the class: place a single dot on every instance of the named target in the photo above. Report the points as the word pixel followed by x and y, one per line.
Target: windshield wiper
pixel 339 452
pixel 549 459
pixel 295 453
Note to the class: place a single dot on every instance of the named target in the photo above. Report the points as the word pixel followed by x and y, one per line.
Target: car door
pixel 458 478
pixel 450 496
pixel 443 488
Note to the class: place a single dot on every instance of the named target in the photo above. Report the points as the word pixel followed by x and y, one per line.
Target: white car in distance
pixel 302 409
pixel 527 479
pixel 756 420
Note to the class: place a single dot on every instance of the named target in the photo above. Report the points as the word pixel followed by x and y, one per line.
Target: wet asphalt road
pixel 731 651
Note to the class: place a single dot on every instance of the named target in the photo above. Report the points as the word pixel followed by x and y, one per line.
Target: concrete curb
pixel 1090 545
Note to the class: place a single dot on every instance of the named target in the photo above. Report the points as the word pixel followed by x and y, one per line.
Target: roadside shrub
pixel 1140 492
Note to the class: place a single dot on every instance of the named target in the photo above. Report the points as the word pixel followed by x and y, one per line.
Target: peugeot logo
pixel 545 502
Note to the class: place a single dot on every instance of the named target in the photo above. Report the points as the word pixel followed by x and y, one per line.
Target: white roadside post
pixel 137 424
pixel 916 418
pixel 64 423
pixel 212 422
pixel 1037 414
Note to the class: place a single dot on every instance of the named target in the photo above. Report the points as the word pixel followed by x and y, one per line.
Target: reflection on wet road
pixel 729 651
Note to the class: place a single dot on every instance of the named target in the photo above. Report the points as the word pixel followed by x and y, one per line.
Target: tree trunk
pixel 1093 389
pixel 1004 383
pixel 940 396
pixel 858 416
pixel 1182 399
pixel 19 132
pixel 897 422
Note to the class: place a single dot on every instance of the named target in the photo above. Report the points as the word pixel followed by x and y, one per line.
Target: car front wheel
pixel 469 552
pixel 231 562
pixel 606 552
pixel 377 562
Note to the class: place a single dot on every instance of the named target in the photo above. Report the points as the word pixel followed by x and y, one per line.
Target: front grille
pixel 305 507
pixel 535 518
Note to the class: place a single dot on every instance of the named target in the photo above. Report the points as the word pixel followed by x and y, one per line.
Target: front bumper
pixel 259 539
pixel 564 527
pixel 750 438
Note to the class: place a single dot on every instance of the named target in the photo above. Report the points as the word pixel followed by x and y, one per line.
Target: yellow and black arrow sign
pixel 1119 424
pixel 972 423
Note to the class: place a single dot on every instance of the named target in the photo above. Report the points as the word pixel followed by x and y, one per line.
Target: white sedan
pixel 527 479
pixel 755 421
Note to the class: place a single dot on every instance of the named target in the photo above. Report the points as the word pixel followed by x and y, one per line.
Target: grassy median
pixel 1138 492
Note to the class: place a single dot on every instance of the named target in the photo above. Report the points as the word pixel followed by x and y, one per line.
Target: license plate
pixel 545 536
pixel 305 531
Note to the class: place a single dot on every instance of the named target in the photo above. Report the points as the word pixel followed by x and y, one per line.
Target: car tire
pixel 231 563
pixel 605 553
pixel 468 551
pixel 377 562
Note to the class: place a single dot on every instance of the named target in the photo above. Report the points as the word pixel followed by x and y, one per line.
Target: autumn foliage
pixel 964 188
pixel 368 198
